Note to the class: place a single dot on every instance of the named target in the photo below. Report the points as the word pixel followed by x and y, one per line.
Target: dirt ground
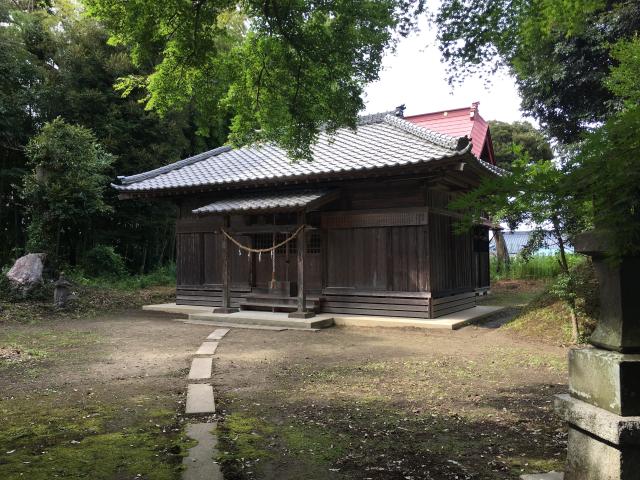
pixel 103 398
pixel 388 404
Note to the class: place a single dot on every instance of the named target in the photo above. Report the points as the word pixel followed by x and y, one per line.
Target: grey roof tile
pixel 381 140
pixel 269 201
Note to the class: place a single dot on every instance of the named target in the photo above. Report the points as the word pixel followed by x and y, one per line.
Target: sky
pixel 415 75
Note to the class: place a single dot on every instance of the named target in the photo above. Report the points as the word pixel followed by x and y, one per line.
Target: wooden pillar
pixel 226 273
pixel 301 311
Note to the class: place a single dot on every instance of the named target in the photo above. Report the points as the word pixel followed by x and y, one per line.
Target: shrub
pixel 103 260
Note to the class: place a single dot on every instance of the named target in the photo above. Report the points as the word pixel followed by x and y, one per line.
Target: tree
pixel 558 50
pixel 510 139
pixel 534 193
pixel 64 189
pixel 282 70
pixel 506 136
pixel 21 78
pixel 56 62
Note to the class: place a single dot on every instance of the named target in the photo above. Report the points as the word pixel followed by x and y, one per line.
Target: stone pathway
pixel 199 464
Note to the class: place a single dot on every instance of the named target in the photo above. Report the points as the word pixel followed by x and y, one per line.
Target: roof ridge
pixel 372 118
pixel 173 166
pixel 459 145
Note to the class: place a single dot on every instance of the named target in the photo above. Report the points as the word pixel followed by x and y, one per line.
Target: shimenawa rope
pixel 262 250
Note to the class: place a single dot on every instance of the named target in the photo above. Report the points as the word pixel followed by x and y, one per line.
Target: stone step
pixel 200 368
pixel 199 463
pixel 266 318
pixel 200 399
pixel 207 348
pixel 218 333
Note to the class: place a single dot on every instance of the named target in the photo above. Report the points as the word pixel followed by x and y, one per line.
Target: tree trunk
pixel 502 253
pixel 564 264
pixel 575 329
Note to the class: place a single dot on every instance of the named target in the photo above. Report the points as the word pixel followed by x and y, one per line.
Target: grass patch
pixel 547 319
pixel 48 438
pixel 539 267
pixel 28 348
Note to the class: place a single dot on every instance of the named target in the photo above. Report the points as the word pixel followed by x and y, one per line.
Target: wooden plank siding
pixel 451 262
pixel 379 250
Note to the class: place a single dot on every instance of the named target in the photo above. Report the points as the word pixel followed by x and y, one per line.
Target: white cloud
pixel 416 76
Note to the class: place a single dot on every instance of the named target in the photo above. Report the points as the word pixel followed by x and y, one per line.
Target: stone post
pixel 603 406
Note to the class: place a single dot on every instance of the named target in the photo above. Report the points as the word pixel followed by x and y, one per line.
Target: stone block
pixel 207 348
pixel 199 464
pixel 200 399
pixel 200 368
pixel 589 458
pixel 598 422
pixel 618 327
pixel 218 333
pixel 609 380
pixel 543 476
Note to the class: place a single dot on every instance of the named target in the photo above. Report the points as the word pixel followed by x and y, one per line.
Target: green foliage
pixel 538 267
pixel 104 260
pixel 576 64
pixel 56 62
pixel 507 137
pixel 559 52
pixel 164 275
pixel 534 193
pixel 64 189
pixel 282 71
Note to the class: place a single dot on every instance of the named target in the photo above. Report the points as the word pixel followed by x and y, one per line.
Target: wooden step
pixel 277 300
pixel 313 306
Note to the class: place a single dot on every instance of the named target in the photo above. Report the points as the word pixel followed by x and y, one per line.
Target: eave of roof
pixel 268 202
pixel 267 164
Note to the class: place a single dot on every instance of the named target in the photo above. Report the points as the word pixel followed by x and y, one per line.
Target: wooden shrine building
pixel 364 228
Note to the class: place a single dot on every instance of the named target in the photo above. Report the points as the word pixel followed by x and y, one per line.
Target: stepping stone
pixel 543 476
pixel 218 333
pixel 200 368
pixel 207 348
pixel 200 399
pixel 199 464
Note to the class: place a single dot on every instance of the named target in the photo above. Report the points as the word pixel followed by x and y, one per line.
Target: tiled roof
pixel 381 140
pixel 270 201
pixel 457 123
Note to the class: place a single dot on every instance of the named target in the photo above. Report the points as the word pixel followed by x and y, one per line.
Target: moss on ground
pixel 52 438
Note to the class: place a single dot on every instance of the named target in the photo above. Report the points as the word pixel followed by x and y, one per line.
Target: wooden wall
pixel 377 237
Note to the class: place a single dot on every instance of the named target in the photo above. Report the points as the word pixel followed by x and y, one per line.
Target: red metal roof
pixel 460 122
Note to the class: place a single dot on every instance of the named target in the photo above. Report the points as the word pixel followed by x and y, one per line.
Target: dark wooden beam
pixel 301 312
pixel 226 274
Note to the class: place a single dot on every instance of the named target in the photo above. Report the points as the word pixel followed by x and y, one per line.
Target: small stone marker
pixel 200 399
pixel 207 348
pixel 218 333
pixel 199 464
pixel 200 368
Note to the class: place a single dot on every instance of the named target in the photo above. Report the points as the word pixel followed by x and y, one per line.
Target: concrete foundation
pixel 246 318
